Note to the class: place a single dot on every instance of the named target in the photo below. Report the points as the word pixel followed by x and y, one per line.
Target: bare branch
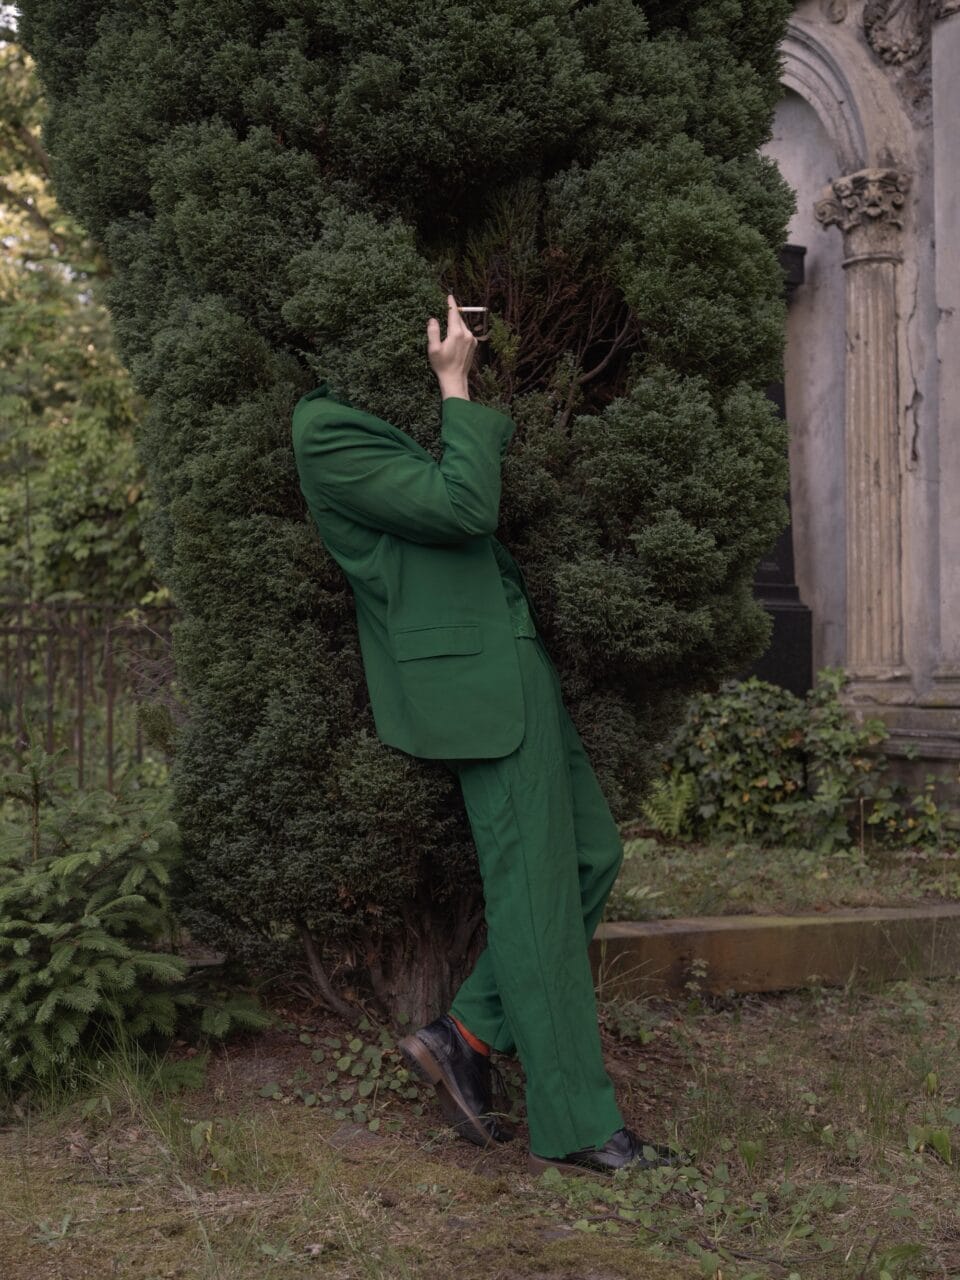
pixel 322 980
pixel 616 345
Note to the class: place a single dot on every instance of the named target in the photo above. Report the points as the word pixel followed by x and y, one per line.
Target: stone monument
pixel 868 135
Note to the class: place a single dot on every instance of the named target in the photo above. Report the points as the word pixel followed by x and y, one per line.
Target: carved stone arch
pixel 812 71
pixel 851 91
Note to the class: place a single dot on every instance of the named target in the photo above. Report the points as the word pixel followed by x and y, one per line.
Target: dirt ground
pixel 822 1124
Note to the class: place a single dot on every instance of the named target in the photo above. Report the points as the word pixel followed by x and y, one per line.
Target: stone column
pixel 945 77
pixel 867 207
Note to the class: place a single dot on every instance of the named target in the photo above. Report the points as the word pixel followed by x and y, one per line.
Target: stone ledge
pixel 774 953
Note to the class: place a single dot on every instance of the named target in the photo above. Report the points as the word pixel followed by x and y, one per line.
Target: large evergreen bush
pixel 286 191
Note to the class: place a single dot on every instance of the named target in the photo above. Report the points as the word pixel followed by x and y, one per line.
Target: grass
pixel 661 879
pixel 823 1124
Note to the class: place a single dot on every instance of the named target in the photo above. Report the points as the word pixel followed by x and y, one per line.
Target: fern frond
pixel 669 805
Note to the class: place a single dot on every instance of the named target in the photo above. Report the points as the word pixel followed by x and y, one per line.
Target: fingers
pixel 433 334
pixel 455 320
pixel 457 329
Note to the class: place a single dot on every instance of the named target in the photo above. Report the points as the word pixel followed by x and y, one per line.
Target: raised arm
pixel 351 462
pixel 366 471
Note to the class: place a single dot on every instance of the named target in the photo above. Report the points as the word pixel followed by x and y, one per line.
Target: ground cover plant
pixel 285 193
pixel 770 803
pixel 752 761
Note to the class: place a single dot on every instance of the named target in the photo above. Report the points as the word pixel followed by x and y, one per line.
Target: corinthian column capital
pixel 866 206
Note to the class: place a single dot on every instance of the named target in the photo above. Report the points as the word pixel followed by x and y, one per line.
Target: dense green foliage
pixel 285 192
pixel 755 762
pixel 71 487
pixel 86 926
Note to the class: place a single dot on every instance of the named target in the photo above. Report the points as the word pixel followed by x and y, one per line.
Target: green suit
pixel 456 671
pixel 434 628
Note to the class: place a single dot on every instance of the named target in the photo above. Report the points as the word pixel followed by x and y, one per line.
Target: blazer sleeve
pixel 370 477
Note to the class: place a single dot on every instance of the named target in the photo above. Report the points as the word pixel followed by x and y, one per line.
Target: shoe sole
pixel 538 1164
pixel 452 1102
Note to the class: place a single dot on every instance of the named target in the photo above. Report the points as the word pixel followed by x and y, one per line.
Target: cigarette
pixel 471 308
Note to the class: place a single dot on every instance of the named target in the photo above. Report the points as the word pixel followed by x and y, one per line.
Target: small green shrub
pixel 668 807
pixel 763 765
pixel 84 915
pixel 920 822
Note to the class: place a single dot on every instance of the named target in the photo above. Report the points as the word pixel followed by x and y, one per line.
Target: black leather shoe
pixel 462 1078
pixel 622 1150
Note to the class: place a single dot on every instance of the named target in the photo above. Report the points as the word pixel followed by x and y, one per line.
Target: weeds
pixel 354 1078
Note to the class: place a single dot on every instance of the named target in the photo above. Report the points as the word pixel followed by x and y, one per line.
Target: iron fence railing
pixel 71 674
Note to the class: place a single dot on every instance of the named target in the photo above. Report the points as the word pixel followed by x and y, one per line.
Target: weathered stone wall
pixel 867 134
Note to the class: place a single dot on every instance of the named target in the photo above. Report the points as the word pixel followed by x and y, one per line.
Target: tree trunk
pixel 414 973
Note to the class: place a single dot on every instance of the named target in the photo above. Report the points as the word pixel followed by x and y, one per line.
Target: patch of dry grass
pixel 662 879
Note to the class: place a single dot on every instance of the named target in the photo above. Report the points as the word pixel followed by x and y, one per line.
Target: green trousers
pixel 549 852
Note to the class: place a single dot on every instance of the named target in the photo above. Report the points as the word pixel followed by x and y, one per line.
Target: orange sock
pixel 470 1038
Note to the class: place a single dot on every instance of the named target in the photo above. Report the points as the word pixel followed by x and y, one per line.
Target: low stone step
pixel 775 953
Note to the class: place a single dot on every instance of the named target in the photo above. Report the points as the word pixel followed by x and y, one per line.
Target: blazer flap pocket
pixel 431 642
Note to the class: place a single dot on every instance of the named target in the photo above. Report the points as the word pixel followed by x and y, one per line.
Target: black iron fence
pixel 73 674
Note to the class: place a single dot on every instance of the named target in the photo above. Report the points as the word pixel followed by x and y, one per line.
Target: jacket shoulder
pixel 314 416
pixel 321 411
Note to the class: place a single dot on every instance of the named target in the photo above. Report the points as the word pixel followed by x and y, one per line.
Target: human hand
pixel 451 359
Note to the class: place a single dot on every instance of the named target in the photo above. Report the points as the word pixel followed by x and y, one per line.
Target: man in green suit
pixel 457 672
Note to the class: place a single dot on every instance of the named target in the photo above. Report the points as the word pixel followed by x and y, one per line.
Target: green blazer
pixel 415 540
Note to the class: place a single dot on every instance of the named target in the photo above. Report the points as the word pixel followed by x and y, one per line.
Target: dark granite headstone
pixel 788 659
